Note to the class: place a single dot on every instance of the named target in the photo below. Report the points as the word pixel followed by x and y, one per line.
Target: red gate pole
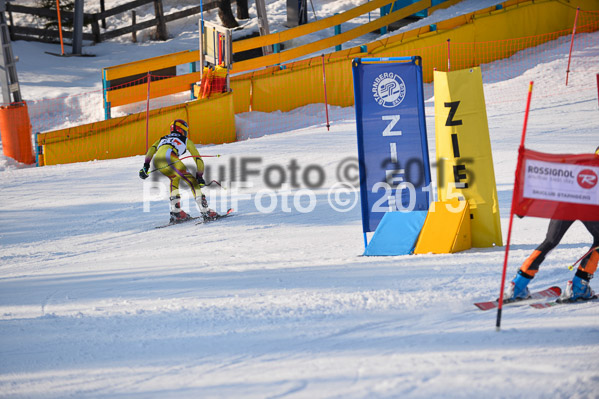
pixel 148 114
pixel 509 232
pixel 59 27
pixel 448 55
pixel 324 81
pixel 598 87
pixel 572 44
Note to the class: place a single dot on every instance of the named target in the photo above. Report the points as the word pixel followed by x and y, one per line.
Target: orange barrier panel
pixel 16 133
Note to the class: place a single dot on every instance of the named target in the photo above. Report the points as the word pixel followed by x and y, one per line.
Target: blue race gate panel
pixel 392 145
pixel 396 234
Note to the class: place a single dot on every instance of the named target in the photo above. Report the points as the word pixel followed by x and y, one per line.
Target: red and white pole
pixel 324 82
pixel 148 114
pixel 572 44
pixel 59 27
pixel 509 232
pixel 448 55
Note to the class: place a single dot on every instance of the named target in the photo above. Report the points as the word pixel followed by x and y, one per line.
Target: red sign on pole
pixel 557 186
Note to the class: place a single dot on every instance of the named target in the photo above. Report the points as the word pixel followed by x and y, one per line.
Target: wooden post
pixel 96 29
pixel 102 9
pixel 12 24
pixel 161 33
pixel 133 21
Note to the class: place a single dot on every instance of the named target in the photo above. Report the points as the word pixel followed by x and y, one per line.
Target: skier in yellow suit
pixel 166 152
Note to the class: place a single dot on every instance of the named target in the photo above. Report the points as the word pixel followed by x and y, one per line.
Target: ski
pixel 179 222
pixel 552 292
pixel 217 217
pixel 550 304
pixel 201 219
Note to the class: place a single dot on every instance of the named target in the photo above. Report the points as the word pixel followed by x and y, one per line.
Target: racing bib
pixel 176 141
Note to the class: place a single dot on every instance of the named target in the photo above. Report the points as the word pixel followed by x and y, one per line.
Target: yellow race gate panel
pixel 463 149
pixel 446 228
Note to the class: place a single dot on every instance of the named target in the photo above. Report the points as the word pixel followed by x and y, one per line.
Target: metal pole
pixel 9 79
pixel 78 27
pixel 263 24
pixel 337 32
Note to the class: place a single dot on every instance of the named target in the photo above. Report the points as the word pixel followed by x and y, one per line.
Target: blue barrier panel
pixel 397 234
pixel 392 145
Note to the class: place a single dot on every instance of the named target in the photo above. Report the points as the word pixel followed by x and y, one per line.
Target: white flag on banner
pixel 561 182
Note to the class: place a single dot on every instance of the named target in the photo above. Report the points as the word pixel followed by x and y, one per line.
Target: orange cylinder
pixel 15 130
pixel 207 83
pixel 219 81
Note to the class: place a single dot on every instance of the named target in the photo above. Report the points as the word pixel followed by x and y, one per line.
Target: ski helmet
pixel 180 126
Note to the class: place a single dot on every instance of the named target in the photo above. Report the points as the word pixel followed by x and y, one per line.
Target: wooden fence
pixel 31 33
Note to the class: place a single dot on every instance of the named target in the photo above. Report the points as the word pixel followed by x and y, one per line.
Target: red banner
pixel 557 186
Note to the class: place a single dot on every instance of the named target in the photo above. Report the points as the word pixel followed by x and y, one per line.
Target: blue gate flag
pixel 392 144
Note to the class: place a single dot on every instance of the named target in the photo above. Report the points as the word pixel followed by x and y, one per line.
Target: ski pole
pixel 205 185
pixel 189 156
pixel 217 182
pixel 573 265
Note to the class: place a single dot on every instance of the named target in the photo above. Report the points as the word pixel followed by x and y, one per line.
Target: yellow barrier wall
pixel 302 30
pixel 158 88
pixel 211 121
pixel 521 20
pixel 340 84
pixel 150 64
pixel 323 44
pixel 300 83
pixel 463 148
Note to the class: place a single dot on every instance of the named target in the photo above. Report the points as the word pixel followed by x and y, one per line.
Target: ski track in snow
pixel 97 303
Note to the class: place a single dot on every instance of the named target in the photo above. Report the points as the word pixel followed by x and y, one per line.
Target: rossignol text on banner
pixel 557 186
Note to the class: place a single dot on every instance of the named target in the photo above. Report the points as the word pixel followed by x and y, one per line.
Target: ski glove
pixel 200 180
pixel 143 172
